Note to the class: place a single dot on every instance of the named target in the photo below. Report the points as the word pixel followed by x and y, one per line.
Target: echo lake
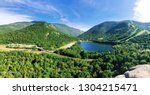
pixel 96 47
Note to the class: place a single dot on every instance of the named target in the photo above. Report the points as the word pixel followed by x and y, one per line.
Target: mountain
pixel 41 34
pixel 73 32
pixel 143 25
pixel 67 30
pixel 14 26
pixel 116 31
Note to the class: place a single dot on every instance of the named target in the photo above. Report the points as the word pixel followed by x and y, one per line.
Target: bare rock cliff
pixel 139 71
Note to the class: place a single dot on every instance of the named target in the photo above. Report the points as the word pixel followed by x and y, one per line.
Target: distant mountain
pixel 67 30
pixel 14 26
pixel 143 25
pixel 40 34
pixel 73 32
pixel 116 31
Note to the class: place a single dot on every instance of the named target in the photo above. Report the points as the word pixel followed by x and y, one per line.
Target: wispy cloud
pixel 7 17
pixel 76 14
pixel 17 8
pixel 27 10
pixel 41 6
pixel 142 10
pixel 38 6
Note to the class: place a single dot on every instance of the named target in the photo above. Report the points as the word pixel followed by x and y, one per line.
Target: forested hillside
pixel 40 34
pixel 74 62
pixel 108 64
pixel 116 31
pixel 67 30
pixel 14 26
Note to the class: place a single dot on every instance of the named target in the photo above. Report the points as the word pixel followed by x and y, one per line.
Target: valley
pixel 45 50
pixel 31 48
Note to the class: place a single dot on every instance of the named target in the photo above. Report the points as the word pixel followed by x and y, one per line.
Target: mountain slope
pixel 143 25
pixel 40 34
pixel 67 30
pixel 14 26
pixel 114 31
pixel 73 32
pixel 98 31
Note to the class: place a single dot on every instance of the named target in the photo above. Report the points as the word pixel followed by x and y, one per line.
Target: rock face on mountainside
pixel 139 71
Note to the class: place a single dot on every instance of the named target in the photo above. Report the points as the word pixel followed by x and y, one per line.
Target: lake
pixel 95 47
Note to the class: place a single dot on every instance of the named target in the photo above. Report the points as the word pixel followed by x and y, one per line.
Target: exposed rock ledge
pixel 139 71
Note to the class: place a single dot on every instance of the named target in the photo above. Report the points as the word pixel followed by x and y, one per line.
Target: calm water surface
pixel 97 47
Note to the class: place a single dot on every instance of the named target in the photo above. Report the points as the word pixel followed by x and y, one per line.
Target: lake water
pixel 95 47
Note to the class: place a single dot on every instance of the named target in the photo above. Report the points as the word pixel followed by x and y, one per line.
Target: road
pixel 4 48
pixel 68 45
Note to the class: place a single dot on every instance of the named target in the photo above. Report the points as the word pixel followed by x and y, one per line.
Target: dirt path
pixel 3 48
pixel 68 45
pixel 146 50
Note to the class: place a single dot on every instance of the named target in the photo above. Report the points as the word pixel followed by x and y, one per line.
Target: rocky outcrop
pixel 139 71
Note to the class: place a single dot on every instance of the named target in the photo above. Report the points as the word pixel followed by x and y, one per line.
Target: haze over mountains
pixel 67 30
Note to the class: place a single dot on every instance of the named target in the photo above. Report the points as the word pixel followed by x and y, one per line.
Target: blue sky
pixel 82 14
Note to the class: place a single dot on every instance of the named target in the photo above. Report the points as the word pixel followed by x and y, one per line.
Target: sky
pixel 81 14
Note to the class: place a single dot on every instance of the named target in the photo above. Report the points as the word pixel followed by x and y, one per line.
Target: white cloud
pixel 7 17
pixel 41 6
pixel 142 10
pixel 37 6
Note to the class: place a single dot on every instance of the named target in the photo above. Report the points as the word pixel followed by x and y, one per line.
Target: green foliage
pixel 40 34
pixel 74 51
pixel 13 27
pixel 78 63
pixel 121 59
pixel 77 52
pixel 144 39
pixel 28 65
pixel 107 64
pixel 114 31
pixel 68 30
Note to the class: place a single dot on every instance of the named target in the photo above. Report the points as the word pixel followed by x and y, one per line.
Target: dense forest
pixel 107 64
pixel 131 46
pixel 40 34
pixel 121 31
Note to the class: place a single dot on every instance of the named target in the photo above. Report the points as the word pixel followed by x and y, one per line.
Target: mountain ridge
pixel 67 29
pixel 73 32
pixel 115 31
pixel 14 26
pixel 40 34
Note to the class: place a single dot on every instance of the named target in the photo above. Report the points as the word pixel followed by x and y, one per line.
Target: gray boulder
pixel 139 71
